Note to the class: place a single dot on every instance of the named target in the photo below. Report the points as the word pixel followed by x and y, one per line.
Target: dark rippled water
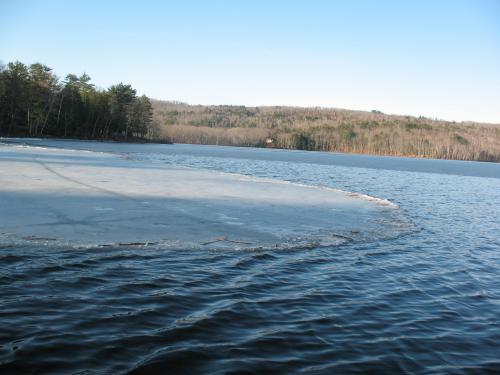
pixel 425 302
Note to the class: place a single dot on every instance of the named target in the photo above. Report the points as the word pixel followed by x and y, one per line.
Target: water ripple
pixel 427 302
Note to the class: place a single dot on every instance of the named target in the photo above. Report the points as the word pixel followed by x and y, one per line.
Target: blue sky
pixel 433 58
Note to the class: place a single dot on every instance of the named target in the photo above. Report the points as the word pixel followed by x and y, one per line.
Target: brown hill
pixel 325 129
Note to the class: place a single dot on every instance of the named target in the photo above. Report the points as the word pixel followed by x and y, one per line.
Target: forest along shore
pixel 323 129
pixel 34 102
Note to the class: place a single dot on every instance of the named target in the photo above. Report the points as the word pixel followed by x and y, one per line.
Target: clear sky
pixel 434 58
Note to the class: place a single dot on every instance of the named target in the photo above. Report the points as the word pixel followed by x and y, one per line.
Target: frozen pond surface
pixel 419 297
pixel 60 196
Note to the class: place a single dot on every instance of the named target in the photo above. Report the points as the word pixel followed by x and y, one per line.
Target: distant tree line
pixel 34 102
pixel 327 129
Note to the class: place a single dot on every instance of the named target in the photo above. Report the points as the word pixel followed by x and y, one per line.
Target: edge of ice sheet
pixel 10 240
pixel 381 201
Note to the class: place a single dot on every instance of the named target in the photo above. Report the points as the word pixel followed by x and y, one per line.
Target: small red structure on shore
pixel 270 143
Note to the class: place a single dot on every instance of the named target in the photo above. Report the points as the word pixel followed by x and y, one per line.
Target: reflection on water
pixel 425 302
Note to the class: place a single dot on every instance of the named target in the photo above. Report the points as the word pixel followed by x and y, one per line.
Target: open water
pixel 424 301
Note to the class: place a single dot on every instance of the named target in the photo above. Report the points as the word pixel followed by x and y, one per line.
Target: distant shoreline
pixel 167 142
pixel 326 129
pixel 35 102
pixel 116 139
pixel 338 152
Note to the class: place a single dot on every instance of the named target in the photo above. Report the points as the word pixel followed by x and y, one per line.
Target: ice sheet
pixel 55 196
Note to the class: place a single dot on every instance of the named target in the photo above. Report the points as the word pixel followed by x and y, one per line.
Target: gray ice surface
pixel 80 198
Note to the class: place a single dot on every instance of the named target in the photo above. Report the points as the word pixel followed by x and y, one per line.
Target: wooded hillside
pixel 324 129
pixel 34 102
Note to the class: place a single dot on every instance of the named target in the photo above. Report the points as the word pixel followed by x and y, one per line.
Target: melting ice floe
pixel 78 198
